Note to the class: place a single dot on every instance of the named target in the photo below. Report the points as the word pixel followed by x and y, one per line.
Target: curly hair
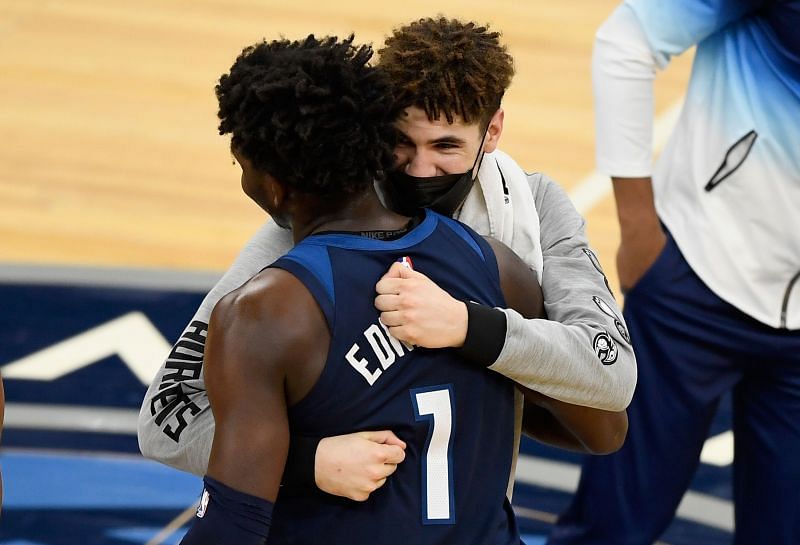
pixel 447 67
pixel 312 113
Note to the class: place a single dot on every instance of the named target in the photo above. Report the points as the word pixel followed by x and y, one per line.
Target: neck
pixel 362 212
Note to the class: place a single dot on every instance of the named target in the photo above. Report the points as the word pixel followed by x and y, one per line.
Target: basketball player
pixel 450 78
pixel 710 254
pixel 301 346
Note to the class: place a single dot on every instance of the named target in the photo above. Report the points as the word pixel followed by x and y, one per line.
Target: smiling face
pixel 428 148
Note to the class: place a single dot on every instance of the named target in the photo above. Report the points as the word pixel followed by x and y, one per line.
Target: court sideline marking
pixel 176 524
pixel 695 506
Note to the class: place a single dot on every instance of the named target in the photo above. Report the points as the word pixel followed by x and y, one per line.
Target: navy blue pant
pixel 691 348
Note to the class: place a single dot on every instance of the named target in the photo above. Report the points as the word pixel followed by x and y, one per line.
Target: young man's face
pixel 428 148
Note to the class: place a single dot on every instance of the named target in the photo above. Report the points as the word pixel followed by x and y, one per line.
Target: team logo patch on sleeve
pixel 596 264
pixel 605 308
pixel 605 348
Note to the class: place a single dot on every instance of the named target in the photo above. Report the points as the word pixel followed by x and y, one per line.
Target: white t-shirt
pixel 727 184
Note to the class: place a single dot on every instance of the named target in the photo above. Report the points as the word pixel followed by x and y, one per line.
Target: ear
pixel 493 131
pixel 275 192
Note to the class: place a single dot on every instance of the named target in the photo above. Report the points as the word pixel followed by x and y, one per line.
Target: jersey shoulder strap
pixel 311 264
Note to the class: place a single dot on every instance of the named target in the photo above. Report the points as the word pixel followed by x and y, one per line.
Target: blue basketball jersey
pixel 456 418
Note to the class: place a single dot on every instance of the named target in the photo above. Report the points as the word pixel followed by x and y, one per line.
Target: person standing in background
pixel 710 260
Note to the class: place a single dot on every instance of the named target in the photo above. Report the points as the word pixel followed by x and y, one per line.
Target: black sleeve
pixel 299 470
pixel 226 516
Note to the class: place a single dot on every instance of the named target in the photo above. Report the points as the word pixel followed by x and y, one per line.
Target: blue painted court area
pixel 533 539
pixel 65 499
pixel 75 359
pixel 83 499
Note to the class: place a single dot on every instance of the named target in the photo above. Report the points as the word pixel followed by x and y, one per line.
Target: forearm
pixel 175 424
pixel 636 209
pixel 558 360
pixel 572 427
pixel 191 452
pixel 635 202
pixel 538 423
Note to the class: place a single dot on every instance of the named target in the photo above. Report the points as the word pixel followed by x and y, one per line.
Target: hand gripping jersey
pixel 457 419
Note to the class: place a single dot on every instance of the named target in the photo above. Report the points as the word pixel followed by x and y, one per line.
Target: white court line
pixel 594 188
pixel 74 418
pixel 109 277
pixel 132 337
pixel 718 450
pixel 535 514
pixel 548 518
pixel 176 523
pixel 695 507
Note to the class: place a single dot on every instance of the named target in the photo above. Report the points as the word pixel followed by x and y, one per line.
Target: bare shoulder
pixel 266 321
pixel 270 292
pixel 518 281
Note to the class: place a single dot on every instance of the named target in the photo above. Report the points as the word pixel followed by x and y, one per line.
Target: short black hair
pixel 312 113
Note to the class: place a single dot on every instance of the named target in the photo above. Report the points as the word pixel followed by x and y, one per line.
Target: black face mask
pixel 406 194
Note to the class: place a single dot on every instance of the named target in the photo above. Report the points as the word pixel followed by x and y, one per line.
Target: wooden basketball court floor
pixel 111 160
pixel 110 151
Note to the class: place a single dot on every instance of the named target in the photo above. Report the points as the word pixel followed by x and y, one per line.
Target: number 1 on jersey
pixel 435 405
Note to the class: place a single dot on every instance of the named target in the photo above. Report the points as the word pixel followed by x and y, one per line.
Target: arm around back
pixel 582 353
pixel 176 426
pixel 549 420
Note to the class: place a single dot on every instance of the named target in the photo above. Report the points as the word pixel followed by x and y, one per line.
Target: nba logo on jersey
pixel 201 509
pixel 406 262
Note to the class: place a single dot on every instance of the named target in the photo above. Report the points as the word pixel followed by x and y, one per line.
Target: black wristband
pixel 299 470
pixel 486 334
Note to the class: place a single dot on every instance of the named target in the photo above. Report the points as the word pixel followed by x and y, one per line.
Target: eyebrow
pixel 449 139
pixel 446 139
